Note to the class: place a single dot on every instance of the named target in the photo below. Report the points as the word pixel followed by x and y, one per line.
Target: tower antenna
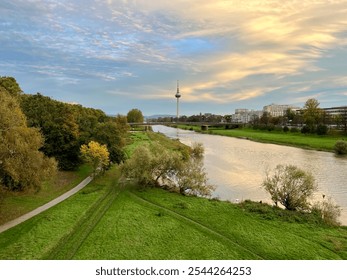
pixel 177 95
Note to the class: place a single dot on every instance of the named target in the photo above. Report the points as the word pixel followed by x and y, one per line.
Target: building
pixel 278 110
pixel 336 116
pixel 245 115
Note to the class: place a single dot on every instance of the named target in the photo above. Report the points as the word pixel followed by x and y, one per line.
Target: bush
pixel 305 130
pixel 340 147
pixel 290 186
pixel 322 129
pixel 328 211
pixel 285 129
pixel 294 130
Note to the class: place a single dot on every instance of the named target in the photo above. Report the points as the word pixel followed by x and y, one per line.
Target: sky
pixel 117 55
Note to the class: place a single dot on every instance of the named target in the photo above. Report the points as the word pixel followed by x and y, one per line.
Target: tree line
pixel 39 135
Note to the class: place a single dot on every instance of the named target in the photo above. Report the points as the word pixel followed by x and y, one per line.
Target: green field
pixel 15 204
pixel 306 141
pixel 109 220
pixel 106 221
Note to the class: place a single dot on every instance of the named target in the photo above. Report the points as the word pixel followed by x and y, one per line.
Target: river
pixel 237 167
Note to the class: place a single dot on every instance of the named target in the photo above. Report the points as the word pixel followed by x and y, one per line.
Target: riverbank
pixel 305 141
pixel 108 220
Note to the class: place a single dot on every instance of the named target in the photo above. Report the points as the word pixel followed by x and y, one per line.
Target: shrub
pixel 305 130
pixel 340 147
pixel 290 186
pixel 328 211
pixel 322 129
pixel 294 130
pixel 285 129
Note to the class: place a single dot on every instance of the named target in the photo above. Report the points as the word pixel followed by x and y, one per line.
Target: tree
pixel 151 166
pixel 97 155
pixel 135 116
pixel 191 177
pixel 160 167
pixel 112 134
pixel 11 86
pixel 290 186
pixel 22 165
pixel 57 122
pixel 313 115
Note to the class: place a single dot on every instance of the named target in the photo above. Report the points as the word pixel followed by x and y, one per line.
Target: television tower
pixel 178 95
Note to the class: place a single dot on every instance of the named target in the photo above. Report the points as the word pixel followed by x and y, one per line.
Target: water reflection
pixel 237 167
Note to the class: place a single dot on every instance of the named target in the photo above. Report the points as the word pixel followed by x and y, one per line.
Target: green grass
pixel 105 221
pixel 15 204
pixel 109 221
pixel 151 138
pixel 40 236
pixel 309 141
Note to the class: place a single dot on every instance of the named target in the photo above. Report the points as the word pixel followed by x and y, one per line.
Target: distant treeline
pixel 60 130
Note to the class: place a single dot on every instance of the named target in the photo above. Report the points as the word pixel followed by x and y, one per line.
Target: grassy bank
pixel 155 224
pixel 306 141
pixel 15 204
pixel 109 221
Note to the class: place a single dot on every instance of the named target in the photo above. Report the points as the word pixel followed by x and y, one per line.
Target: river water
pixel 237 167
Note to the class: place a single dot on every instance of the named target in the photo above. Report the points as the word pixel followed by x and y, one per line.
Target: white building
pixel 245 115
pixel 278 110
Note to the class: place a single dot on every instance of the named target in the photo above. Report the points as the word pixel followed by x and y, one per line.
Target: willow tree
pixel 160 167
pixel 22 165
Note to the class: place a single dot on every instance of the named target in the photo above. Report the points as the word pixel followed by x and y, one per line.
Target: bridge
pixel 203 125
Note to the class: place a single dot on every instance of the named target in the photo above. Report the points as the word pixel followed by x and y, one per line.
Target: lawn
pixel 307 141
pixel 15 204
pixel 108 221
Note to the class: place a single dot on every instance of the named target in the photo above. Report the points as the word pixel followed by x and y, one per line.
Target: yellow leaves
pixel 96 154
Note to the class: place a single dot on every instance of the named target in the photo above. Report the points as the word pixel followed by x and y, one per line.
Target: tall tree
pixel 313 115
pixel 57 121
pixel 11 86
pixel 112 135
pixel 22 165
pixel 135 116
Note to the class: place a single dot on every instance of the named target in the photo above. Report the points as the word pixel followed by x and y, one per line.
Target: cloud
pixel 222 51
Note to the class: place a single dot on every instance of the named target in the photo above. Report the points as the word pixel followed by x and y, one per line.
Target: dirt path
pixel 46 206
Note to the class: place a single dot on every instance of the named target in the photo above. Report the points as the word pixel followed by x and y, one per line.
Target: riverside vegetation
pixel 113 220
pixel 126 215
pixel 295 139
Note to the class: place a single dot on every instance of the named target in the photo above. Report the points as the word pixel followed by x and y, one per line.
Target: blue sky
pixel 121 54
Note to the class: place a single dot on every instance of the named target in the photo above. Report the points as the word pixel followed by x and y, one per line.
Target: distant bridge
pixel 203 125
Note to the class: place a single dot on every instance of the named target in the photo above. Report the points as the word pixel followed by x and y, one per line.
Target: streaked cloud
pixel 224 52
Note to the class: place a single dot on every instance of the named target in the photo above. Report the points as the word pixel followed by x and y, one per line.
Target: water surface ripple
pixel 237 166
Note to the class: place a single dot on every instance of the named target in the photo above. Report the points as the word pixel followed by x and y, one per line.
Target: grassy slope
pixel 40 236
pixel 158 225
pixel 15 204
pixel 323 143
pixel 105 221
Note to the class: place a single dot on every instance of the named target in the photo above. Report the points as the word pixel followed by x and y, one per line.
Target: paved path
pixel 46 206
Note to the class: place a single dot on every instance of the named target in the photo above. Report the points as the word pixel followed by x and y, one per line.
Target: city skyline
pixel 116 55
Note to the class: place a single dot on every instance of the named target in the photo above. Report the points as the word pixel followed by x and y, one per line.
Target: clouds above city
pixel 118 54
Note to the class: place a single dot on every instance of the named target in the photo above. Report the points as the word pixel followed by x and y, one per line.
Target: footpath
pixel 46 206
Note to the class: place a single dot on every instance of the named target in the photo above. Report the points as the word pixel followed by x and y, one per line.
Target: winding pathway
pixel 46 206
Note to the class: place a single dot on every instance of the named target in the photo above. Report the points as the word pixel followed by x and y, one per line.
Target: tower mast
pixel 177 95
